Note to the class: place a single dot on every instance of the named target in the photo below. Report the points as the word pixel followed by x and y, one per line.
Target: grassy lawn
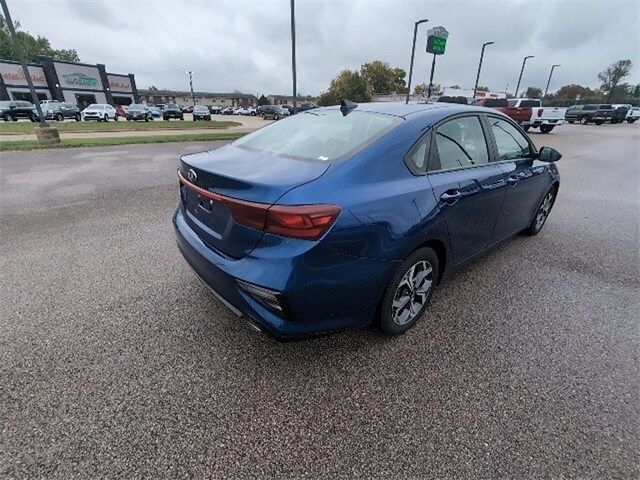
pixel 108 141
pixel 17 128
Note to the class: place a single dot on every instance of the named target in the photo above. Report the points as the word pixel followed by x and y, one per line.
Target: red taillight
pixel 540 112
pixel 307 222
pixel 301 221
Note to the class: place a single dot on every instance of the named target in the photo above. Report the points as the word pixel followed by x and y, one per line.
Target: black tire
pixel 106 117
pixel 165 118
pixel 181 118
pixel 546 128
pixel 598 122
pixel 536 223
pixel 77 117
pixel 526 128
pixel 631 120
pixel 571 121
pixel 389 316
pixel 14 119
pixel 60 117
pixel 584 120
pixel 6 117
pixel 146 118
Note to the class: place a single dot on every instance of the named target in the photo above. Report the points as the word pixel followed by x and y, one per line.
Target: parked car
pixel 139 111
pixel 275 112
pixel 310 225
pixel 307 106
pixel 172 110
pixel 154 111
pixel 596 113
pixel 450 99
pixel 215 109
pixel 247 111
pixel 161 106
pixel 529 113
pixel 13 110
pixel 187 109
pixel 633 113
pixel 121 110
pixel 99 112
pixel 227 111
pixel 261 109
pixel 288 108
pixel 490 102
pixel 201 112
pixel 56 110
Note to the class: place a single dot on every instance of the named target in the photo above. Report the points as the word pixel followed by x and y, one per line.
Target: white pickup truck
pixel 530 113
pixel 633 113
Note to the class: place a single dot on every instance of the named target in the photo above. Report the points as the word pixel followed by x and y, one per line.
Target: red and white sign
pixel 12 74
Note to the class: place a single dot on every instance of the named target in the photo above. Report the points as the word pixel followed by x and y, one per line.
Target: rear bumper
pixel 557 121
pixel 325 290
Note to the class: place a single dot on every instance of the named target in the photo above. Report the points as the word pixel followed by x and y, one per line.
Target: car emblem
pixel 191 175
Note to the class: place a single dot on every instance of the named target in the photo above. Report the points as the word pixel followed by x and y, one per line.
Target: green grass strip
pixel 17 128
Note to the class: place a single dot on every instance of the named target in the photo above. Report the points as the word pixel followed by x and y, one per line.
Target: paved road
pixel 115 361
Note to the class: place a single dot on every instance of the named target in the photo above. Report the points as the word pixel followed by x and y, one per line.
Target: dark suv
pixel 596 113
pixel 172 111
pixel 55 110
pixel 12 110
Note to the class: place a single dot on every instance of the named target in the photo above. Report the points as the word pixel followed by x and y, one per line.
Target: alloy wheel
pixel 545 209
pixel 412 292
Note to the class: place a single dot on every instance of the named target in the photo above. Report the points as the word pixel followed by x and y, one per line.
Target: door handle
pixel 450 196
pixel 513 180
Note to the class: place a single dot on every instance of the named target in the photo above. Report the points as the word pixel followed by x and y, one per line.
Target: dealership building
pixel 79 83
pixel 181 97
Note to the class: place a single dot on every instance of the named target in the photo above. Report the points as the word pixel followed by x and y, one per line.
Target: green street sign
pixel 437 40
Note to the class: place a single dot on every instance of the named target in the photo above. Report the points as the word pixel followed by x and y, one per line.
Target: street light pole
pixel 479 67
pixel 293 55
pixel 433 67
pixel 413 52
pixel 25 70
pixel 193 95
pixel 522 70
pixel 549 81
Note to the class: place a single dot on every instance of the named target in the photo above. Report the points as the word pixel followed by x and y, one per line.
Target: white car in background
pixel 247 111
pixel 99 112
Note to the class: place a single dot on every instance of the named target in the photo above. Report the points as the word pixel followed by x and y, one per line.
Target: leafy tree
pixel 533 92
pixel 612 75
pixel 32 47
pixel 348 84
pixel 571 91
pixel 636 91
pixel 482 88
pixel 263 100
pixel 382 78
pixel 420 88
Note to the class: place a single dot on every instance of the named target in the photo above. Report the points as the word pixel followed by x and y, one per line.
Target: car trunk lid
pixel 230 176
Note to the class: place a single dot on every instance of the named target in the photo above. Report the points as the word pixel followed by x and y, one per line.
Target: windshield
pixel 5 104
pixel 200 109
pixel 322 135
pixel 95 105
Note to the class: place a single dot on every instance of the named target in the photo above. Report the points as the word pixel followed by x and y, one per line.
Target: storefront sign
pixel 12 74
pixel 119 83
pixel 80 79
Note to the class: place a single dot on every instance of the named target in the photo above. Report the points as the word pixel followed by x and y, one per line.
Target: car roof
pixel 430 111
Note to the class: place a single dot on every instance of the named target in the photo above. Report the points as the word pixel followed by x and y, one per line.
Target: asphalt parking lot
pixel 116 362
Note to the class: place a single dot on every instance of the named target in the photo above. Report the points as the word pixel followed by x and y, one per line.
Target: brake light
pixel 308 222
pixel 540 112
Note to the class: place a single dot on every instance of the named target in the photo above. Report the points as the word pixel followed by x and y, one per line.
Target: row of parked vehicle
pixel 530 113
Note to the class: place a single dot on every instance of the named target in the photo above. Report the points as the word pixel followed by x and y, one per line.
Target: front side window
pixel 324 135
pixel 510 142
pixel 460 143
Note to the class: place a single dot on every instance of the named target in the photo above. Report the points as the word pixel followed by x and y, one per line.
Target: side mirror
pixel 548 154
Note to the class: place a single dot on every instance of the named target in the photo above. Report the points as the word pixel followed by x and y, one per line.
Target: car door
pixel 24 110
pixel 524 175
pixel 468 187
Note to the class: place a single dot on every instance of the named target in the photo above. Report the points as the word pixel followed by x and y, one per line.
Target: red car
pixel 121 110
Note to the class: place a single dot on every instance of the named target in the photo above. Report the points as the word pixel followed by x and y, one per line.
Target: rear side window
pixel 530 103
pixel 460 143
pixel 510 142
pixel 495 102
pixel 416 159
pixel 512 103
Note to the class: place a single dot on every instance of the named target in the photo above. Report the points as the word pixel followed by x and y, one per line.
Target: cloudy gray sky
pixel 245 46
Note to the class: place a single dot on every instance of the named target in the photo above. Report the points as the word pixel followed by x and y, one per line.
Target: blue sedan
pixel 344 216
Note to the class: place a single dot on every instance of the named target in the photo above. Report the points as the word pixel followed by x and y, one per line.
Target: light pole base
pixel 47 135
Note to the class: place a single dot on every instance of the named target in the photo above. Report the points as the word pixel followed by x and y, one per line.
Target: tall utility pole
pixel 193 95
pixel 433 67
pixel 479 67
pixel 522 70
pixel 413 52
pixel 25 70
pixel 293 55
pixel 549 81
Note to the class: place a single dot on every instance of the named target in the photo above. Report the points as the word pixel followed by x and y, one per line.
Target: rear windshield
pixel 200 109
pixel 134 107
pixel 605 107
pixel 322 135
